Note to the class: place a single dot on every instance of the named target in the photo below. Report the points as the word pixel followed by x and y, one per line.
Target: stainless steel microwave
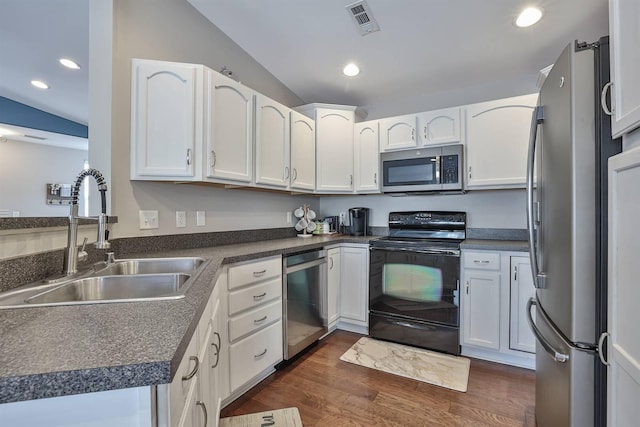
pixel 424 169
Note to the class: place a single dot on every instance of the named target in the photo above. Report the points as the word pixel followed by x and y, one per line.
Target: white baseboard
pixel 524 360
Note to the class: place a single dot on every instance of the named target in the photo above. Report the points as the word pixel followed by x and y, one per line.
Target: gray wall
pixel 485 209
pixel 174 31
pixel 26 168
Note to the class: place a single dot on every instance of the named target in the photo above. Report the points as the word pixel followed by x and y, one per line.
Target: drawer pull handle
pixel 217 347
pixel 262 295
pixel 260 320
pixel 259 273
pixel 195 369
pixel 204 410
pixel 481 261
pixel 257 356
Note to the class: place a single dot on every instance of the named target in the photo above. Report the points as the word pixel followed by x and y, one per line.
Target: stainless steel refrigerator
pixel 566 219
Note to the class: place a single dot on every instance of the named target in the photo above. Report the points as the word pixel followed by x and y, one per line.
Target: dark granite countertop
pixel 496 245
pixel 63 350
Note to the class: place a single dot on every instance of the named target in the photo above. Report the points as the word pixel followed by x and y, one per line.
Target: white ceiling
pixel 423 46
pixel 34 34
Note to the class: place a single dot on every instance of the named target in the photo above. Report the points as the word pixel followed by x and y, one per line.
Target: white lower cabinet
pixel 493 319
pixel 521 282
pixel 333 287
pixel 354 288
pixel 254 322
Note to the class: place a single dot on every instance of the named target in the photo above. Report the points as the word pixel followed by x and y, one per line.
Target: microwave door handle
pixel 437 169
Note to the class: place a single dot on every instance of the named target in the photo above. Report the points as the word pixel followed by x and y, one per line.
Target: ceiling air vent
pixel 363 17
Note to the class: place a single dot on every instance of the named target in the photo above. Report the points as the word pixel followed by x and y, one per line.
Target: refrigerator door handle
pixel 537 119
pixel 555 354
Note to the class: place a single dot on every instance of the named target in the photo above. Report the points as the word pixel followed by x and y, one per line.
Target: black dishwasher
pixel 304 293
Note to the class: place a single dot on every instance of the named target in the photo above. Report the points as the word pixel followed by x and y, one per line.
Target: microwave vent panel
pixel 363 18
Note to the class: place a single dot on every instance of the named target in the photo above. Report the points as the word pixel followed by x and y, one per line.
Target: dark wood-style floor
pixel 330 392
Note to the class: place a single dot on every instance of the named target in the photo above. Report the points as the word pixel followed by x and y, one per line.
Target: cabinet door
pixel 166 119
pixel 205 406
pixel 497 142
pixel 303 152
pixel 625 65
pixel 398 132
pixel 354 283
pixel 367 157
pixel 520 335
pixel 440 127
pixel 334 147
pixel 229 130
pixel 481 309
pixel 623 346
pixel 333 285
pixel 272 143
pixel 217 363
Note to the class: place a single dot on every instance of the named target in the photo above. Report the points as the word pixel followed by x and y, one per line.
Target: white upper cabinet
pixel 303 152
pixel 229 139
pixel 440 127
pixel 497 141
pixel 367 157
pixel 625 65
pixel 398 133
pixel 272 143
pixel 166 120
pixel 334 146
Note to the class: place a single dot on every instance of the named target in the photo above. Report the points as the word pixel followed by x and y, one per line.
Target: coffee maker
pixel 359 221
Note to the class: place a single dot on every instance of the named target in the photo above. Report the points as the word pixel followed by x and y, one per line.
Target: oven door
pixel 415 285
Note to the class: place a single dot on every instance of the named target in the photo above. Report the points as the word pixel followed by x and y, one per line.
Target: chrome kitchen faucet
pixel 72 253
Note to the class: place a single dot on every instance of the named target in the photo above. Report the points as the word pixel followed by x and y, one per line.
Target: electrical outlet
pixel 288 217
pixel 200 219
pixel 181 219
pixel 148 220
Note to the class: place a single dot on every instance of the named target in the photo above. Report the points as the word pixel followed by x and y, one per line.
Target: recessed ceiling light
pixel 39 84
pixel 351 70
pixel 528 17
pixel 69 63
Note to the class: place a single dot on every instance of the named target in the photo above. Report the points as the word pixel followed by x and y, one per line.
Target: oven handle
pixel 419 251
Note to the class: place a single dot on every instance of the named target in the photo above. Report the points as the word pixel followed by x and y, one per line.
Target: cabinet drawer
pixel 245 274
pixel 482 260
pixel 255 319
pixel 254 354
pixel 179 388
pixel 254 295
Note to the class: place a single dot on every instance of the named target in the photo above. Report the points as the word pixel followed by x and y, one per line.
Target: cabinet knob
pixel 375 178
pixel 286 172
pixel 413 134
pixel 188 156
pixel 295 174
pixel 257 356
pixel 213 159
pixel 467 288
pixel 217 347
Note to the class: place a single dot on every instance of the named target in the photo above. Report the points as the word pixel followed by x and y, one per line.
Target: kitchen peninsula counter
pixel 64 350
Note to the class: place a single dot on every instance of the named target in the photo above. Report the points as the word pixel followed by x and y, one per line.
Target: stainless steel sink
pixel 151 266
pixel 127 280
pixel 111 288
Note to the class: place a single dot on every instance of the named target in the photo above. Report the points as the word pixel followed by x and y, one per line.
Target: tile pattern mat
pixel 288 417
pixel 434 368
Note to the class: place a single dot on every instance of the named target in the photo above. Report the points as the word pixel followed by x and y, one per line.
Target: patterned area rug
pixel 434 368
pixel 288 417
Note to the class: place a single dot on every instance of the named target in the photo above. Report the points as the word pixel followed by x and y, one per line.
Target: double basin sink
pixel 145 279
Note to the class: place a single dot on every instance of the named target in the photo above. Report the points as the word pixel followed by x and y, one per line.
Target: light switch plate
pixel 200 221
pixel 148 220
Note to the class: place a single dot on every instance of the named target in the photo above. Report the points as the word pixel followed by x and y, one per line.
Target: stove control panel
pixel 427 219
